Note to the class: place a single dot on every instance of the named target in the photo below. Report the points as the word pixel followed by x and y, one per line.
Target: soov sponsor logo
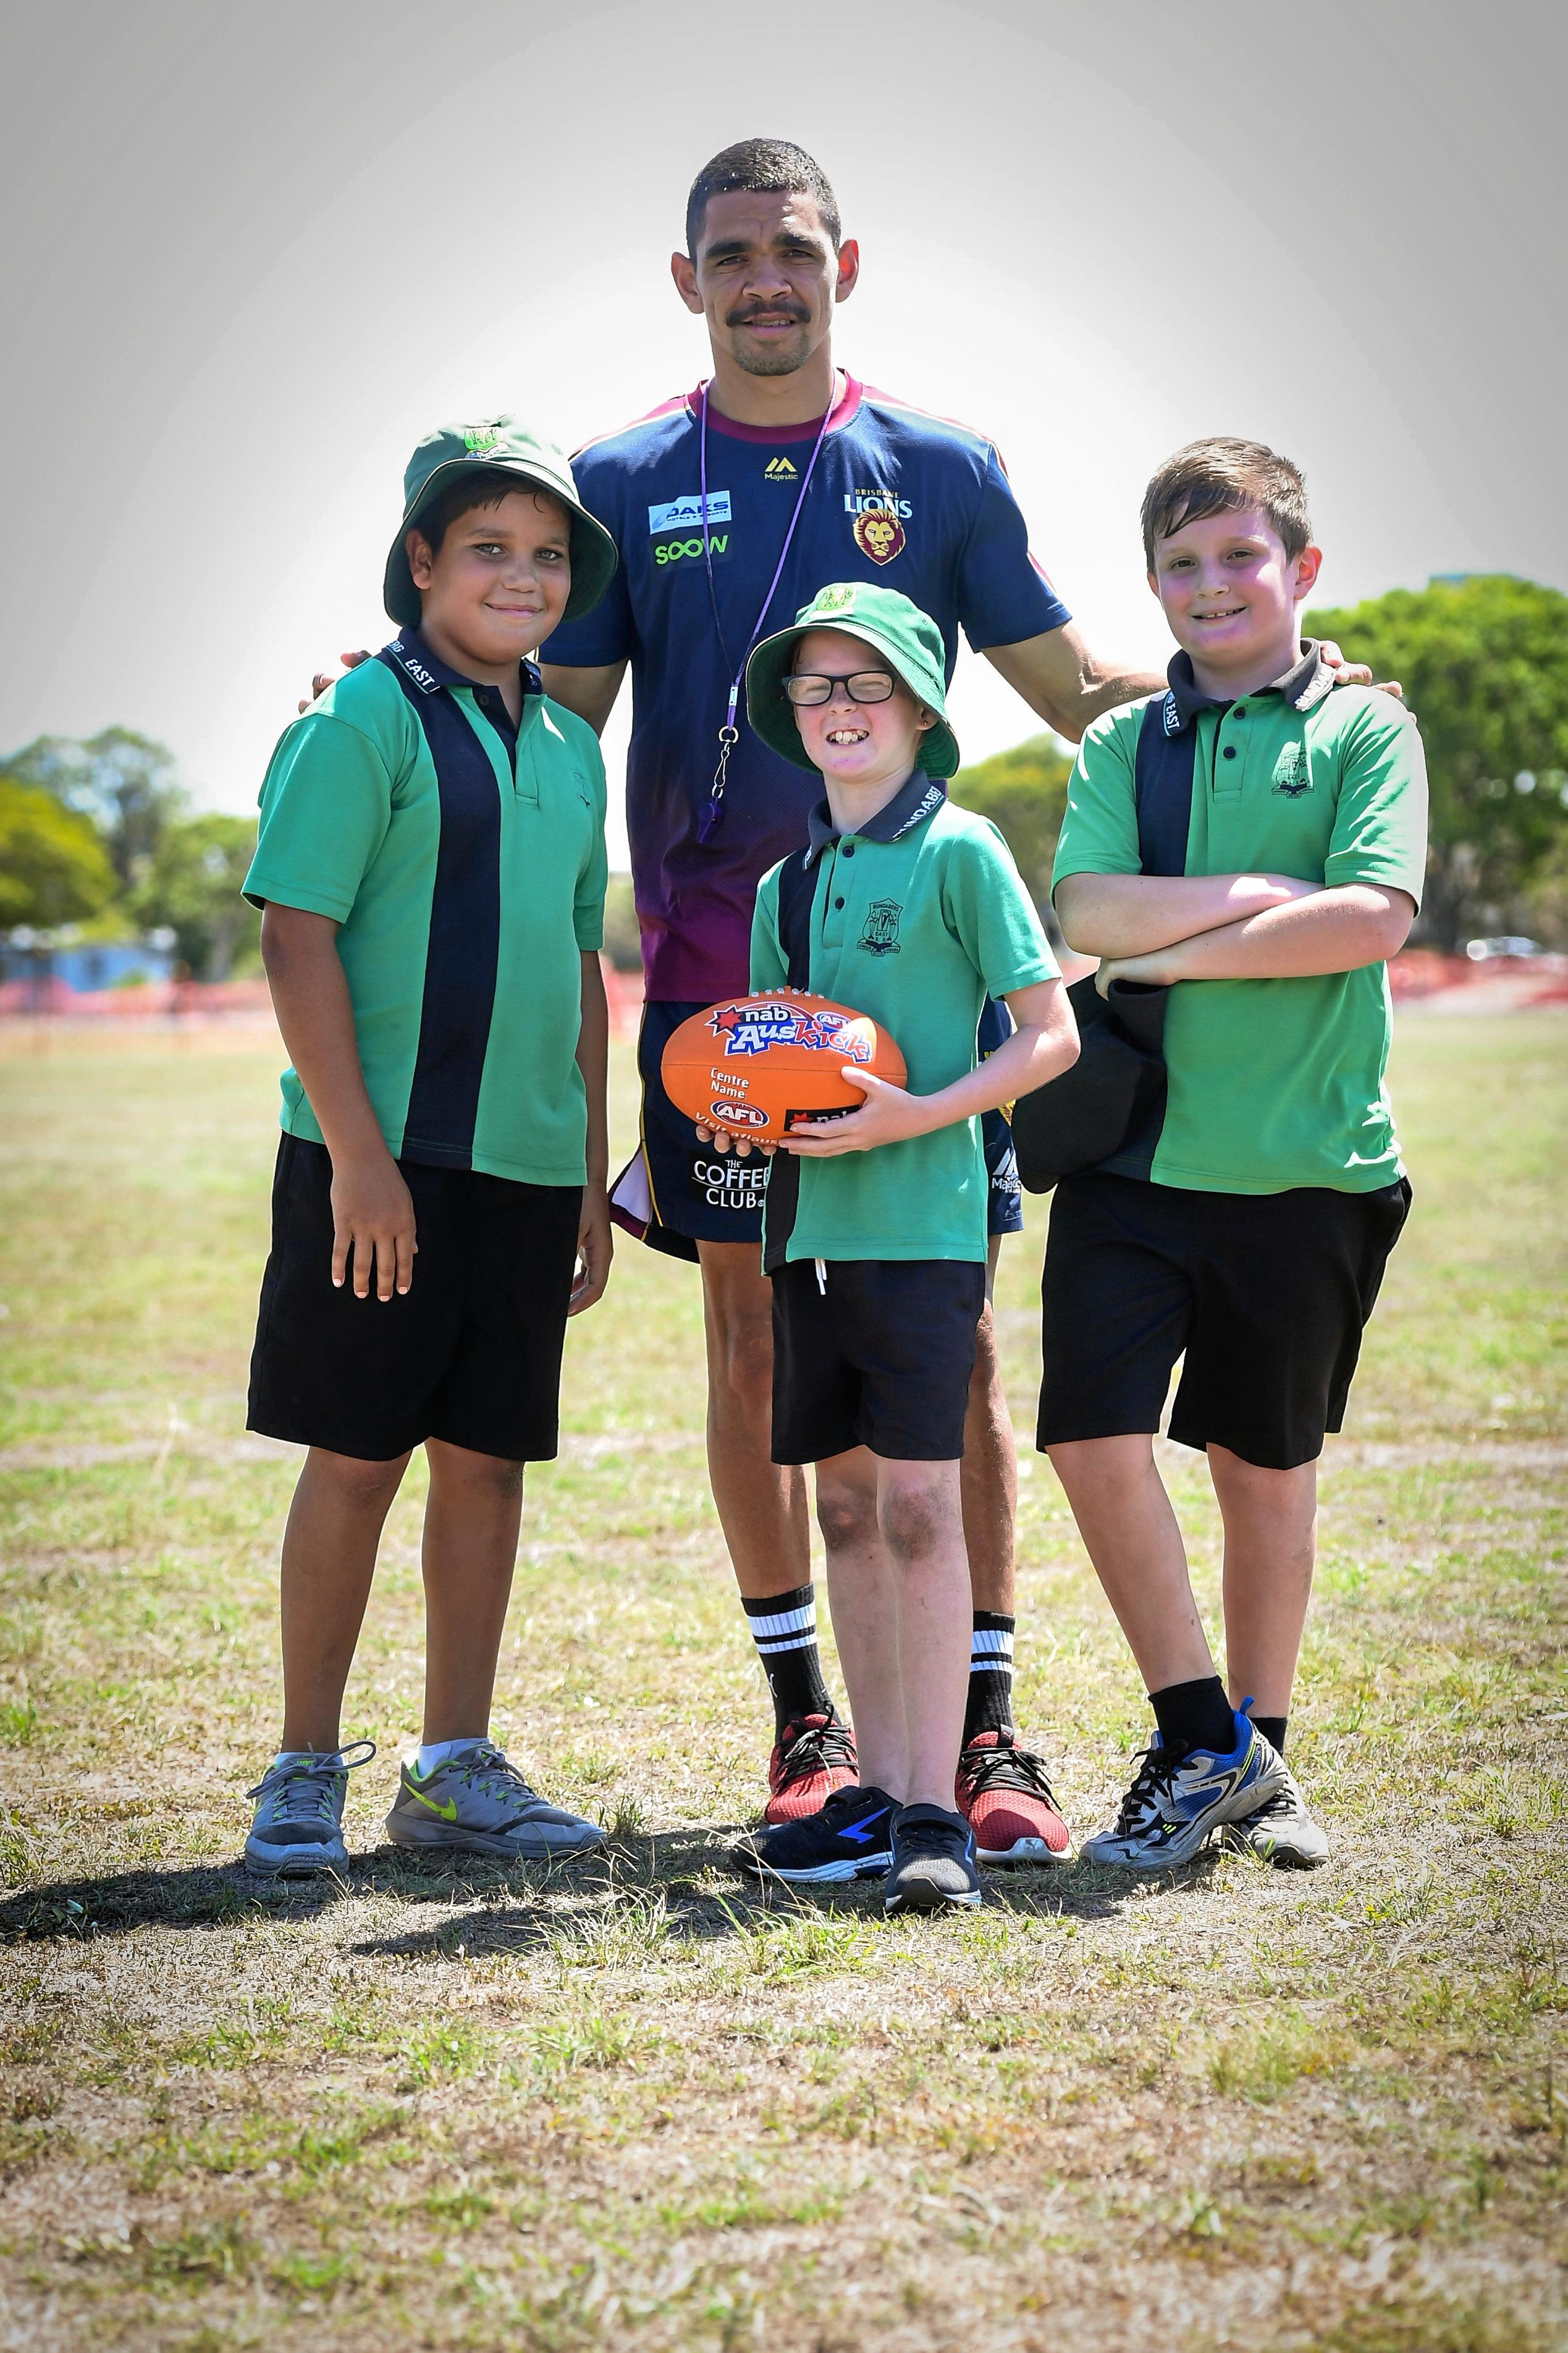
pixel 676 550
pixel 686 514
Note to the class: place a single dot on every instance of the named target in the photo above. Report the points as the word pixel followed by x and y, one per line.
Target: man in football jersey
pixel 731 506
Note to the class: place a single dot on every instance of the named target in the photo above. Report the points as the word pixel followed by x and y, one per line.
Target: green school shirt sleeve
pixel 769 966
pixel 326 804
pixel 1380 820
pixel 593 880
pixel 990 913
pixel 1099 829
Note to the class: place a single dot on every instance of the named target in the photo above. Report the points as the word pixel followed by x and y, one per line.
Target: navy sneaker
pixel 1179 1795
pixel 933 1861
pixel 850 1837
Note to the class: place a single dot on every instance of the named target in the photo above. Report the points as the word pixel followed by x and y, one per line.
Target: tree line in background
pixel 100 834
pixel 96 840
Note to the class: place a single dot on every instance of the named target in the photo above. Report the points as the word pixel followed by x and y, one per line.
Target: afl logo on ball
pixel 880 534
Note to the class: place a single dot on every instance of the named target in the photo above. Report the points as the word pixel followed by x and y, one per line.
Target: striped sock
pixel 990 1675
pixel 784 1628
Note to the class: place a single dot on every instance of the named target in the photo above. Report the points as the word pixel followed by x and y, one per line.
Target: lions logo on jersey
pixel 880 534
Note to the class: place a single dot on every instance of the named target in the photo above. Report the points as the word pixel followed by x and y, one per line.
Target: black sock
pixel 784 1628
pixel 1196 1715
pixel 1273 1728
pixel 990 1707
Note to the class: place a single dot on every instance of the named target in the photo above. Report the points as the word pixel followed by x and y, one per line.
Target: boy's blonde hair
pixel 1221 476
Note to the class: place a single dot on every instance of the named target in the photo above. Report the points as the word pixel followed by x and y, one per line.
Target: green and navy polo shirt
pixel 464 862
pixel 1272 1083
pixel 913 919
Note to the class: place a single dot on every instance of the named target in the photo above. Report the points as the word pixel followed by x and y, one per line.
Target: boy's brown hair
pixel 1221 476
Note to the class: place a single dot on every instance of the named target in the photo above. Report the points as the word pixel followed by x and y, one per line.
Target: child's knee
pixel 362 1486
pixel 847 1514
pixel 917 1516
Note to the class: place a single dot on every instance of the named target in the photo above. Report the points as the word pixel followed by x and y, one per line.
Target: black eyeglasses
pixel 806 687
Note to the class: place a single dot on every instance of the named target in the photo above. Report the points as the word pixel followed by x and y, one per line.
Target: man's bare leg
pixel 989 1479
pixel 762 1505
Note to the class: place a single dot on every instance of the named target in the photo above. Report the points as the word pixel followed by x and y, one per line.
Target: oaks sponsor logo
pixel 686 514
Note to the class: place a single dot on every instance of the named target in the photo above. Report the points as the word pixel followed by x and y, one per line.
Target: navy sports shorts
pixel 676 1192
pixel 874 1352
pixel 471 1352
pixel 1264 1294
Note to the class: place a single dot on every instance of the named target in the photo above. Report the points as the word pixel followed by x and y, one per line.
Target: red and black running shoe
pixel 1005 1794
pixel 812 1758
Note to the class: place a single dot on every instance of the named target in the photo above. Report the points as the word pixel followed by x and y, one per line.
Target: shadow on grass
pixel 653 1887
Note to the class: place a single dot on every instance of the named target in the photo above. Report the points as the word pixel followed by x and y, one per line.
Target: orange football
pixel 756 1064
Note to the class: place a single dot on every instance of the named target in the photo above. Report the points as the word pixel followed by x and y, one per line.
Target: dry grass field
pixel 631 2104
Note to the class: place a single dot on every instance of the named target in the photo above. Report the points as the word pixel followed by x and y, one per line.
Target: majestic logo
pixel 686 514
pixel 880 534
pixel 1292 775
pixel 753 1028
pixel 778 469
pixel 879 932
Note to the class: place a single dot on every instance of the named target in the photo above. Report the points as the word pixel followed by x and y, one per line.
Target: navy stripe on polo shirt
pixel 463 860
pixel 916 501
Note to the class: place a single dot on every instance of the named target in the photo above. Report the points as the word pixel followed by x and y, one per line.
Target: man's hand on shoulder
pixel 1349 673
pixel 323 679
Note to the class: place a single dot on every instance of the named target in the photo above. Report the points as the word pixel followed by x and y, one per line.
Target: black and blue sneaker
pixel 850 1838
pixel 933 1861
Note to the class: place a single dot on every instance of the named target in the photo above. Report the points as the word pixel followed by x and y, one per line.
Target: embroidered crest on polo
pixel 1293 774
pixel 879 932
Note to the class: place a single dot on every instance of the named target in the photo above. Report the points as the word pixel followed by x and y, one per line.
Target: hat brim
pixel 592 551
pixel 771 713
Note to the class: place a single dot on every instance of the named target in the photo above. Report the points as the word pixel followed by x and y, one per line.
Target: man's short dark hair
pixel 1224 476
pixel 482 489
pixel 767 167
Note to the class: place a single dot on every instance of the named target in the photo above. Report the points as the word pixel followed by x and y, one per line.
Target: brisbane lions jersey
pixel 916 502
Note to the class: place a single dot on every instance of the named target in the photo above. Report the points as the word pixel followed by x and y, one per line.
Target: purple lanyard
pixel 729 734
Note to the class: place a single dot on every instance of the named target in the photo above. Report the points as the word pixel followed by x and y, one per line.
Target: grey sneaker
pixel 1180 1795
pixel 298 1830
pixel 933 1861
pixel 478 1801
pixel 1281 1830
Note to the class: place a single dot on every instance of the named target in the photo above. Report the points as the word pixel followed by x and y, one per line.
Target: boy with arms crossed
pixel 873 1225
pixel 1257 841
pixel 431 870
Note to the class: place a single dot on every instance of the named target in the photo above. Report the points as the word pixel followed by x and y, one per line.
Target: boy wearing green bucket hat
pixel 431 870
pixel 911 911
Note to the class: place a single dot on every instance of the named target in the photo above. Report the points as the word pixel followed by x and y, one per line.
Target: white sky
pixel 254 254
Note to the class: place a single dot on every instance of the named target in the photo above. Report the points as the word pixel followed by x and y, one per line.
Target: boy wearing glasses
pixel 874 1227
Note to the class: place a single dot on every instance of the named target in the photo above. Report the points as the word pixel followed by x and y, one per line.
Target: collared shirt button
pixel 839 902
pixel 850 850
pixel 1229 752
pixel 1240 711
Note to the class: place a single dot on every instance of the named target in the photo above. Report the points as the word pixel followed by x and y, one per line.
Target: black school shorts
pixel 677 1192
pixel 881 1357
pixel 1267 1293
pixel 470 1354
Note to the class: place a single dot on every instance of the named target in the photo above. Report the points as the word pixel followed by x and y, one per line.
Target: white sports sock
pixel 436 1752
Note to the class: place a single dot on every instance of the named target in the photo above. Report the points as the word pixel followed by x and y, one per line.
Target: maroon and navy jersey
pixel 915 501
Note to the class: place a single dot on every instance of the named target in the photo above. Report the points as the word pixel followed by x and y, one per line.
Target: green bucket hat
pixel 907 640
pixel 499 444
